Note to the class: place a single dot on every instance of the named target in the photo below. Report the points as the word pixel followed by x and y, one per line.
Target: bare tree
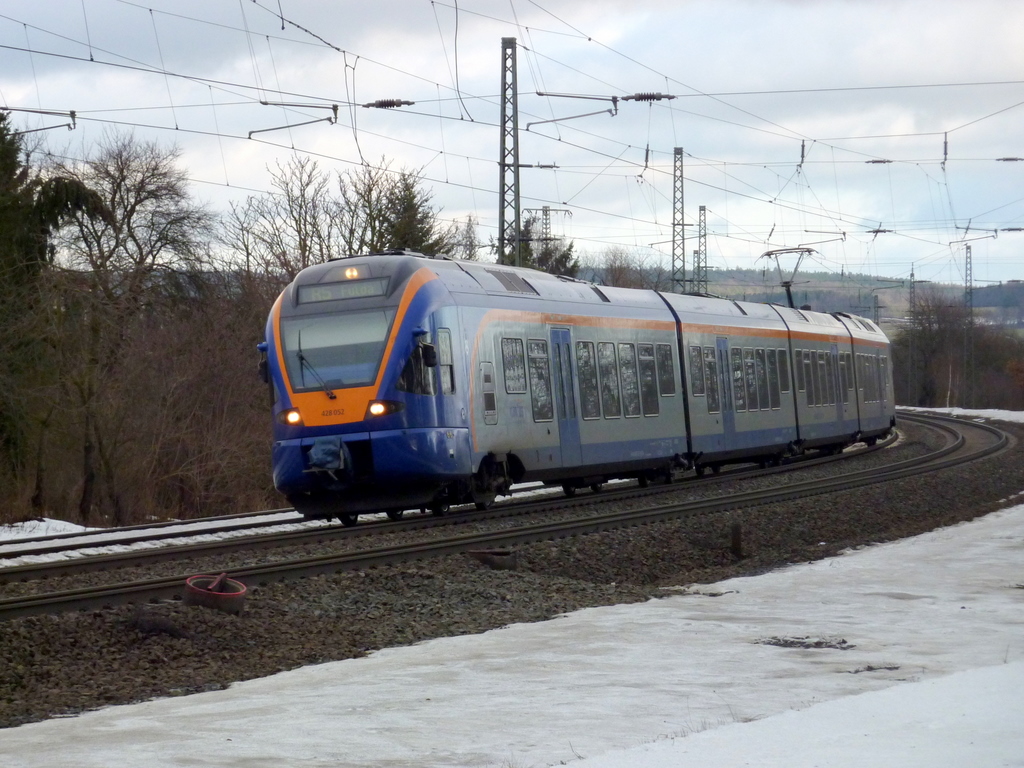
pixel 116 274
pixel 380 209
pixel 287 230
pixel 625 268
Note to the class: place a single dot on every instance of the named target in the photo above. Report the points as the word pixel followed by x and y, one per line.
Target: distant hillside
pixel 857 293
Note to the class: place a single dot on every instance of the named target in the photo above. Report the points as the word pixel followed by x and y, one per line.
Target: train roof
pixel 475 277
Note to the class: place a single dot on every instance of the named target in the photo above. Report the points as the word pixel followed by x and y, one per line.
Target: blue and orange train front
pixel 349 348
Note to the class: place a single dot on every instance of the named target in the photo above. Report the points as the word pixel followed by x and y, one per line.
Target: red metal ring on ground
pixel 218 592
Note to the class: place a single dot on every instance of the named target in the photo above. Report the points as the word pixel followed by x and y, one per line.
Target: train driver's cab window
pixel 416 378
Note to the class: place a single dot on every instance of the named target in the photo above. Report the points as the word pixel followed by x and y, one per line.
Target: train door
pixel 725 385
pixel 565 398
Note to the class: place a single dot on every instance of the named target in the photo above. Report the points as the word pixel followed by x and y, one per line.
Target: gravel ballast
pixel 58 665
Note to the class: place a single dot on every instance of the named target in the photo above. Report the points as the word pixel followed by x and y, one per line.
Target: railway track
pixel 268 533
pixel 967 441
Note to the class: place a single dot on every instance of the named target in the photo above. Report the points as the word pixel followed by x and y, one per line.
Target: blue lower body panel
pixel 370 471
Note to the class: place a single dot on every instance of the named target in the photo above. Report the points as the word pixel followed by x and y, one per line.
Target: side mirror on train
pixel 429 355
pixel 261 367
pixel 428 352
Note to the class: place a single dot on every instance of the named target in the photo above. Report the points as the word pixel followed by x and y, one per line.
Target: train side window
pixel 711 380
pixel 696 372
pixel 830 377
pixel 783 370
pixel 739 395
pixel 811 374
pixel 487 387
pixel 445 361
pixel 750 375
pixel 666 371
pixel 648 379
pixel 762 379
pixel 586 369
pixel 608 367
pixel 883 373
pixel 540 380
pixel 774 396
pixel 844 379
pixel 630 380
pixel 819 356
pixel 862 392
pixel 798 361
pixel 513 363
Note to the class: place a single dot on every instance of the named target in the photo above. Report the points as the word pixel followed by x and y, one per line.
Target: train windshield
pixel 334 351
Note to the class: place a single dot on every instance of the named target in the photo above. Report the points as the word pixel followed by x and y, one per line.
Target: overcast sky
pixel 900 111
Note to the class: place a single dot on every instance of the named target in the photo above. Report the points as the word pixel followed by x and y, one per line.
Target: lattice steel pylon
pixel 678 227
pixel 968 386
pixel 509 220
pixel 700 256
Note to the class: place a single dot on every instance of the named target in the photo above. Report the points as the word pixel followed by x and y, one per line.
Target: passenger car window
pixel 666 371
pixel 586 368
pixel 711 380
pixel 608 367
pixel 648 379
pixel 738 389
pixel 696 371
pixel 630 380
pixel 513 363
pixel 540 381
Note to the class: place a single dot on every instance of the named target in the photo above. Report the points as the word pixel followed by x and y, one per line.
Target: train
pixel 401 381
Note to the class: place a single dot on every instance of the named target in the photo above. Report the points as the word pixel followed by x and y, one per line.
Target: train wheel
pixel 439 508
pixel 716 469
pixel 348 519
pixel 597 487
pixel 482 505
pixel 643 481
pixel 699 470
pixel 395 514
pixel 569 490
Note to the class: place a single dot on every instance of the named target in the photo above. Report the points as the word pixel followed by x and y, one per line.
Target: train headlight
pixel 291 417
pixel 383 408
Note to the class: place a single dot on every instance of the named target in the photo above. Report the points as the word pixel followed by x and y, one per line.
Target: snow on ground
pixel 904 654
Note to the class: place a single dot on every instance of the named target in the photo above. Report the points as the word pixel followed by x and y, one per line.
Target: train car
pixel 401 381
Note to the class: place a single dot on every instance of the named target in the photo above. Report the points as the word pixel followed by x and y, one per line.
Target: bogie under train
pixel 403 381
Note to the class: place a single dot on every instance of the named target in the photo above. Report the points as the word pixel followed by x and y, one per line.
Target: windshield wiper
pixel 304 363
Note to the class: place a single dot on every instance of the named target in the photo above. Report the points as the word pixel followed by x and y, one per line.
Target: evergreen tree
pixel 32 208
